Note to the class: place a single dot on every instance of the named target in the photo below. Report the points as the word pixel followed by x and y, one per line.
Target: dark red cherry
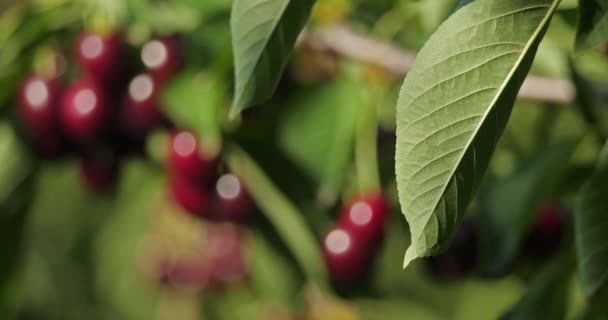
pixel 84 112
pixel 162 58
pixel 365 217
pixel 348 259
pixel 38 101
pixel 101 56
pixel 141 111
pixel 460 258
pixel 186 159
pixel 232 202
pixel 547 233
pixel 191 196
pixel 99 172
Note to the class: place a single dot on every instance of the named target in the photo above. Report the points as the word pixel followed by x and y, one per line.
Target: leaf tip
pixel 235 110
pixel 410 255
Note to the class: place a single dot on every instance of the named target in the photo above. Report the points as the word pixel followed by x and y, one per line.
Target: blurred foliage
pixel 69 254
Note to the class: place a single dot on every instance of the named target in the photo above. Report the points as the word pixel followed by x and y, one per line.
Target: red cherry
pixel 84 112
pixel 38 107
pixel 365 217
pixel 100 172
pixel 460 258
pixel 161 57
pixel 191 196
pixel 547 233
pixel 186 159
pixel 348 259
pixel 232 201
pixel 101 56
pixel 141 112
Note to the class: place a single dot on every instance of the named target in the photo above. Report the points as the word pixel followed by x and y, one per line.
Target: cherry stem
pixel 366 150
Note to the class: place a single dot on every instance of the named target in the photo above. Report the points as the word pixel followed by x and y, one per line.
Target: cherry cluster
pixel 199 189
pixel 106 112
pixel 350 246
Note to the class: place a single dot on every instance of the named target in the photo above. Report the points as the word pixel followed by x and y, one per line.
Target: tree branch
pixel 346 43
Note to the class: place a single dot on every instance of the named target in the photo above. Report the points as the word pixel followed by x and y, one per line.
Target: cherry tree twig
pixel 344 42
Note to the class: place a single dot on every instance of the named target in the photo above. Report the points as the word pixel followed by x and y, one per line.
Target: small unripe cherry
pixel 141 111
pixel 84 112
pixel 162 58
pixel 101 56
pixel 191 196
pixel 232 202
pixel 365 217
pixel 348 259
pixel 186 159
pixel 38 101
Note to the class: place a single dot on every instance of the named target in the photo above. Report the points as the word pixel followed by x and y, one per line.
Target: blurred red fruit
pixel 162 58
pixel 348 259
pixel 460 258
pixel 101 56
pixel 84 112
pixel 186 159
pixel 232 202
pixel 547 233
pixel 99 172
pixel 141 111
pixel 192 197
pixel 365 218
pixel 225 253
pixel 38 101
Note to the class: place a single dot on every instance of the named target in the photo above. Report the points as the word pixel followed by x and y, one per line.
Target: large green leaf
pixel 282 214
pixel 263 35
pixel 591 229
pixel 510 204
pixel 592 24
pixel 547 295
pixel 453 107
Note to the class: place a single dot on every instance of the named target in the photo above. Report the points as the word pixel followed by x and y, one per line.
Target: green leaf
pixel 317 131
pixel 594 111
pixel 548 293
pixel 263 35
pixel 510 204
pixel 453 107
pixel 591 230
pixel 593 24
pixel 462 3
pixel 193 100
pixel 282 214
